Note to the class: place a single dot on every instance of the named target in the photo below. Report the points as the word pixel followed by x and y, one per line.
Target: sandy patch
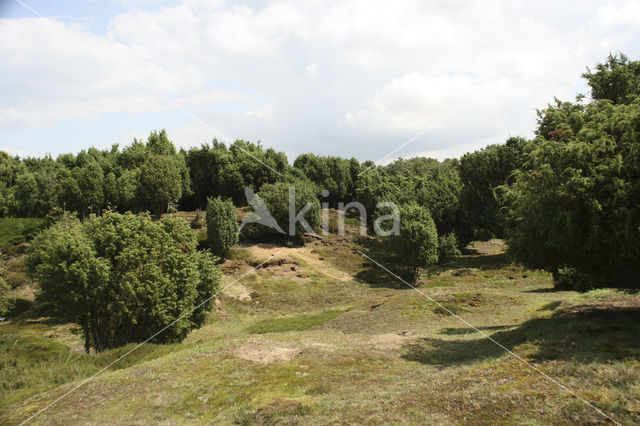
pixel 289 254
pixel 266 352
pixel 238 291
pixel 385 342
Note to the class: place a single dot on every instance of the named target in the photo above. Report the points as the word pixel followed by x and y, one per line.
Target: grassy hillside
pixel 320 335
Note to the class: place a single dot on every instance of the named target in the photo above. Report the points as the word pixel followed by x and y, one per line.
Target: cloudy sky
pixel 361 78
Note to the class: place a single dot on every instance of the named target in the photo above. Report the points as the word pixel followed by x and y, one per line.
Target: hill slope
pixel 320 335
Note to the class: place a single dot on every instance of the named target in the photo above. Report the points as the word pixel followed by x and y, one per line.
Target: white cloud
pixel 211 96
pixel 58 71
pixel 460 104
pixel 190 135
pixel 350 78
pixel 55 75
pixel 19 152
pixel 311 71
pixel 263 113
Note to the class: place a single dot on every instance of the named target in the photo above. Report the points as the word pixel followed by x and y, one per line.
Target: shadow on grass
pixel 453 331
pixel 374 275
pixel 582 333
pixel 551 306
pixel 478 261
pixel 33 360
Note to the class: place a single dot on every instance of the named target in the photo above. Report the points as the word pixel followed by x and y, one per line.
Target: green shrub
pixel 222 226
pixel 571 279
pixel 276 198
pixel 123 277
pixel 575 205
pixel 483 234
pixel 448 247
pixel 160 183
pixel 16 279
pixel 416 245
pixel 578 204
pixel 15 230
pixel 16 306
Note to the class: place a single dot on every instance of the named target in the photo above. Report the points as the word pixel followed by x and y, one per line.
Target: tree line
pixel 566 201
pixel 153 176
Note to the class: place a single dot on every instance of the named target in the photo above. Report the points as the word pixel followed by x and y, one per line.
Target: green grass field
pixel 319 335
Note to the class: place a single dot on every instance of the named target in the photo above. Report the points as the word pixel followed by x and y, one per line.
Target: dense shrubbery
pixel 153 176
pixel 222 226
pixel 140 177
pixel 278 196
pixel 416 245
pixel 219 170
pixel 124 277
pixel 336 175
pixel 481 172
pixel 448 247
pixel 577 202
pixel 575 205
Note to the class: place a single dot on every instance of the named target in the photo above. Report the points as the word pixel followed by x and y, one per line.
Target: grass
pixel 16 230
pixel 295 323
pixel 390 358
pixel 31 363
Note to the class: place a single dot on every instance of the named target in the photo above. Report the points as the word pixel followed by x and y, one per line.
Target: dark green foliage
pixel 617 80
pixel 35 189
pixel 572 279
pixel 90 182
pixel 128 196
pixel 10 169
pixel 7 200
pixel 439 190
pixel 481 172
pixel 124 277
pixel 160 183
pixel 276 197
pixel 142 177
pixel 375 186
pixel 424 181
pixel 416 246
pixel 334 174
pixel 560 121
pixel 448 247
pixel 220 171
pixel 206 165
pixel 222 226
pixel 18 230
pixel 576 203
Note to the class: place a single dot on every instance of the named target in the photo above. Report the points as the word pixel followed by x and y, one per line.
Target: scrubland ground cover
pixel 319 334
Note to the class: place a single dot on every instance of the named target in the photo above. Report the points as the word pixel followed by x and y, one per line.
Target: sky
pixel 370 79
